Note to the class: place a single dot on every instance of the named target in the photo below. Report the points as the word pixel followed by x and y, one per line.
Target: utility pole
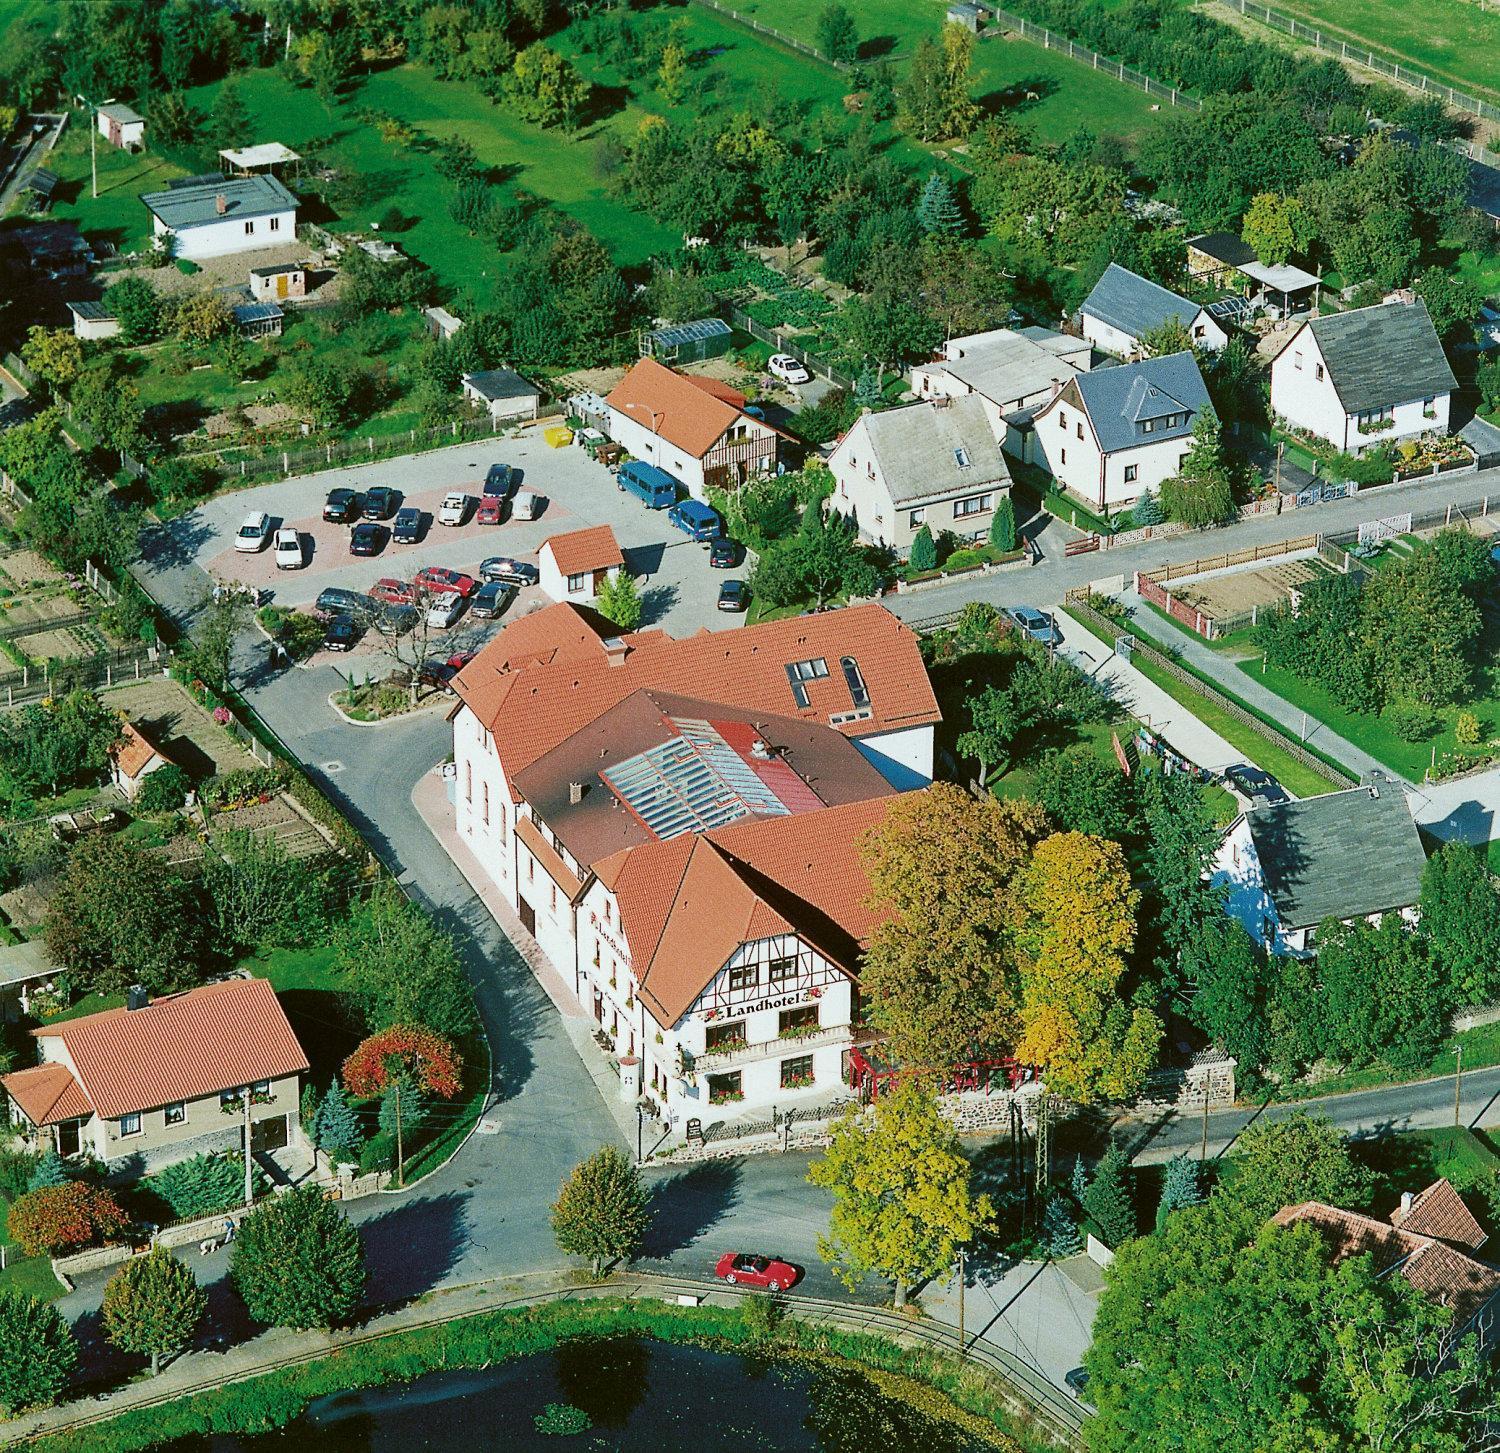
pixel 1043 1147
pixel 1458 1081
pixel 962 1277
pixel 1203 1153
pixel 249 1181
pixel 400 1152
pixel 93 144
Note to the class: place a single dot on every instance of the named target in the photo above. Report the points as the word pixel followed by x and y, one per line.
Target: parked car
pixel 491 510
pixel 1077 1379
pixel 335 600
pixel 444 609
pixel 696 520
pixel 437 579
pixel 1036 624
pixel 390 591
pixel 341 506
pixel 253 533
pixel 289 554
pixel 439 671
pixel 734 595
pixel 743 1269
pixel 500 480
pixel 1252 782
pixel 367 538
pixel 787 368
pixel 512 572
pixel 524 505
pixel 342 633
pixel 654 487
pixel 381 502
pixel 490 599
pixel 454 507
pixel 408 527
pixel 724 553
pixel 393 620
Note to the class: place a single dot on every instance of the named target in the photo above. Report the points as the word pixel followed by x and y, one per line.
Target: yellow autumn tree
pixel 1076 923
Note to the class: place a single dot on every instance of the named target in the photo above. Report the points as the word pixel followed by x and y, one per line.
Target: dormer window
pixel 1148 426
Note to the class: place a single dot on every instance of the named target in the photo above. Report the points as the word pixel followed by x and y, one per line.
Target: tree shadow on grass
pixel 688 1204
pixel 876 47
pixel 1018 98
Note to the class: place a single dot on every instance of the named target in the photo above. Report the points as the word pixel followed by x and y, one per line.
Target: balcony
pixel 711 1061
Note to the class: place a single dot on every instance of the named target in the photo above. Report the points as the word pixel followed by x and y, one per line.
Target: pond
pixel 638 1395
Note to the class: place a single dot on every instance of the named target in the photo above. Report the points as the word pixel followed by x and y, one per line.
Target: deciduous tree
pixel 54 355
pixel 1278 227
pixel 902 1200
pixel 1300 1158
pixel 1460 917
pixel 619 600
pixel 298 1261
pixel 430 1061
pixel 545 87
pixel 152 1306
pixel 603 1210
pixel 136 303
pixel 57 1219
pixel 202 318
pixel 837 35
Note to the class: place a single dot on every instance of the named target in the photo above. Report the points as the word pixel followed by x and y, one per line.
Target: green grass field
pixel 1451 40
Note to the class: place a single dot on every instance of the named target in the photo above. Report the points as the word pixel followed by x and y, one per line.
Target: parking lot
pixel 679 589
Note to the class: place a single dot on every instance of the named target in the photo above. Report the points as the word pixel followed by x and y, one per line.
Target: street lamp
pixel 655 429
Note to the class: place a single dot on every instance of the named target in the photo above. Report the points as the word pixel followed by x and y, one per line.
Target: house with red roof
pixel 678 825
pixel 695 428
pixel 161 1079
pixel 133 758
pixel 574 566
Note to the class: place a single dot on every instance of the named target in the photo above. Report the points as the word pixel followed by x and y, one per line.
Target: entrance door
pixel 600 576
pixel 528 916
pixel 68 1140
pixel 281 285
pixel 269 1134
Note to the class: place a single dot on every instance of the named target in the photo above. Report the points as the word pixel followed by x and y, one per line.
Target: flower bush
pixel 434 1061
pixel 59 1219
pixel 222 715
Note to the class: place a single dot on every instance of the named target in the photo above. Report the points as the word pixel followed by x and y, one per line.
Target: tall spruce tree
pixel 1179 1188
pixel 1108 1201
pixel 337 1127
pixel 938 212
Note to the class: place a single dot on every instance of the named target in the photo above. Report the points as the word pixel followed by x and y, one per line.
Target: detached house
pixel 162 1079
pixel 575 565
pixel 935 463
pixel 1114 433
pixel 1009 369
pixel 1124 307
pixel 695 428
pixel 1290 866
pixel 132 759
pixel 677 823
pixel 229 214
pixel 1365 377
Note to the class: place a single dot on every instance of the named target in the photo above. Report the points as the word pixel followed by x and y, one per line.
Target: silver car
pixel 1034 623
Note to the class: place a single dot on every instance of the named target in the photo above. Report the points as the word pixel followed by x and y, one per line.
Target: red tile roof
pixel 717 389
pixel 688 903
pixel 532 709
pixel 581 551
pixel 672 405
pixel 1439 1211
pixel 180 1047
pixel 133 752
pixel 48 1094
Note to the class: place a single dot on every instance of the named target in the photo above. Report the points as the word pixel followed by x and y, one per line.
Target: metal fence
pixel 1360 54
pixel 737 317
pixel 1050 40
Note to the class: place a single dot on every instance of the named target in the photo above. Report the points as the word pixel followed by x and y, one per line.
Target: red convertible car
pixel 756 1271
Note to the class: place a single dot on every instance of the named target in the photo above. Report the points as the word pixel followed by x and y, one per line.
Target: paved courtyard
pixel 679 588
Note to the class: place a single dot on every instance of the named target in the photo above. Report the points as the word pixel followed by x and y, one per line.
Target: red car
pixel 394 592
pixel 437 578
pixel 490 510
pixel 439 671
pixel 756 1271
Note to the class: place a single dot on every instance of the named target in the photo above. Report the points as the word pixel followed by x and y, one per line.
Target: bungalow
pixel 121 126
pixel 278 283
pixel 574 566
pixel 695 428
pixel 503 393
pixel 163 1079
pixel 1113 433
pixel 93 321
pixel 1365 377
pixel 1289 866
pixel 132 759
pixel 1010 369
pixel 1429 1244
pixel 214 218
pixel 1124 307
pixel 935 463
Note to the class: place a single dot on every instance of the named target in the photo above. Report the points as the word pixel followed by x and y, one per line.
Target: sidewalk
pixel 1237 683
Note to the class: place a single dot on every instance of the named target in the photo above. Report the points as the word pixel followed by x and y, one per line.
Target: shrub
pixel 923 550
pixel 963 560
pixel 1372 468
pixel 437 1066
pixel 55 1220
pixel 562 1419
pixel 378 1153
pixel 202 1185
pixel 165 790
pixel 1466 729
pixel 1412 721
pixel 37 1352
pixel 18 1172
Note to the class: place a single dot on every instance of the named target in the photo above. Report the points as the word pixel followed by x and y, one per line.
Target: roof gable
pixel 669 404
pixel 1119 400
pixel 935 447
pixel 1383 355
pixel 580 551
pixel 1135 305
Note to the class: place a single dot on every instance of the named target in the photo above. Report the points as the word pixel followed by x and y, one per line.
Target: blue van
pixel 696 520
pixel 654 487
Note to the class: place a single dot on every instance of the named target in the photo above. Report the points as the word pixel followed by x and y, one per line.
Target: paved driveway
pixel 680 590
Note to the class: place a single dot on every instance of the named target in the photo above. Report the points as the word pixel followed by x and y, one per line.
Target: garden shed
pixel 687 342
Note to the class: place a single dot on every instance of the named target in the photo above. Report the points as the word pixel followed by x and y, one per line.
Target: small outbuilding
pixel 268 158
pixel 441 323
pixel 121 126
pixel 57 249
pixel 38 188
pixel 503 393
pixel 574 566
pixel 274 284
pixel 93 321
pixel 258 320
pixel 971 17
pixel 687 342
pixel 134 758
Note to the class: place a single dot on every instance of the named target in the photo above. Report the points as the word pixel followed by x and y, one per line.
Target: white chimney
pixel 575 793
pixel 1406 1200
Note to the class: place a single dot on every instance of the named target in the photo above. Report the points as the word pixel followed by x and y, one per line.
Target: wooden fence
pixel 1165 574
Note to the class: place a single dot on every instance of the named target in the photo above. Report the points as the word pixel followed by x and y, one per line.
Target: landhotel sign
pixel 794 1000
pixel 606 932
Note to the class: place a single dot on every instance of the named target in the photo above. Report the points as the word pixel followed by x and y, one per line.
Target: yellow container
pixel 558 436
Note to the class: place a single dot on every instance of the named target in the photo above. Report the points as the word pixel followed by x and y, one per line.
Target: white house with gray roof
pixel 1124 307
pixel 228 214
pixel 1010 369
pixel 935 463
pixel 1365 378
pixel 1113 433
pixel 1291 866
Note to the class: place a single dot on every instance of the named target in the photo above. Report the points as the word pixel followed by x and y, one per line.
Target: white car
pixel 288 549
pixel 787 369
pixel 253 533
pixel 444 609
pixel 453 508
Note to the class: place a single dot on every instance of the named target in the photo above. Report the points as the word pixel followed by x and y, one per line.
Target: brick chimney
pixel 615 651
pixel 221 204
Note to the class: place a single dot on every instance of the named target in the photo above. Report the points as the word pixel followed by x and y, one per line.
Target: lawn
pixel 116 215
pixel 32 1276
pixel 1455 41
pixel 1299 780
